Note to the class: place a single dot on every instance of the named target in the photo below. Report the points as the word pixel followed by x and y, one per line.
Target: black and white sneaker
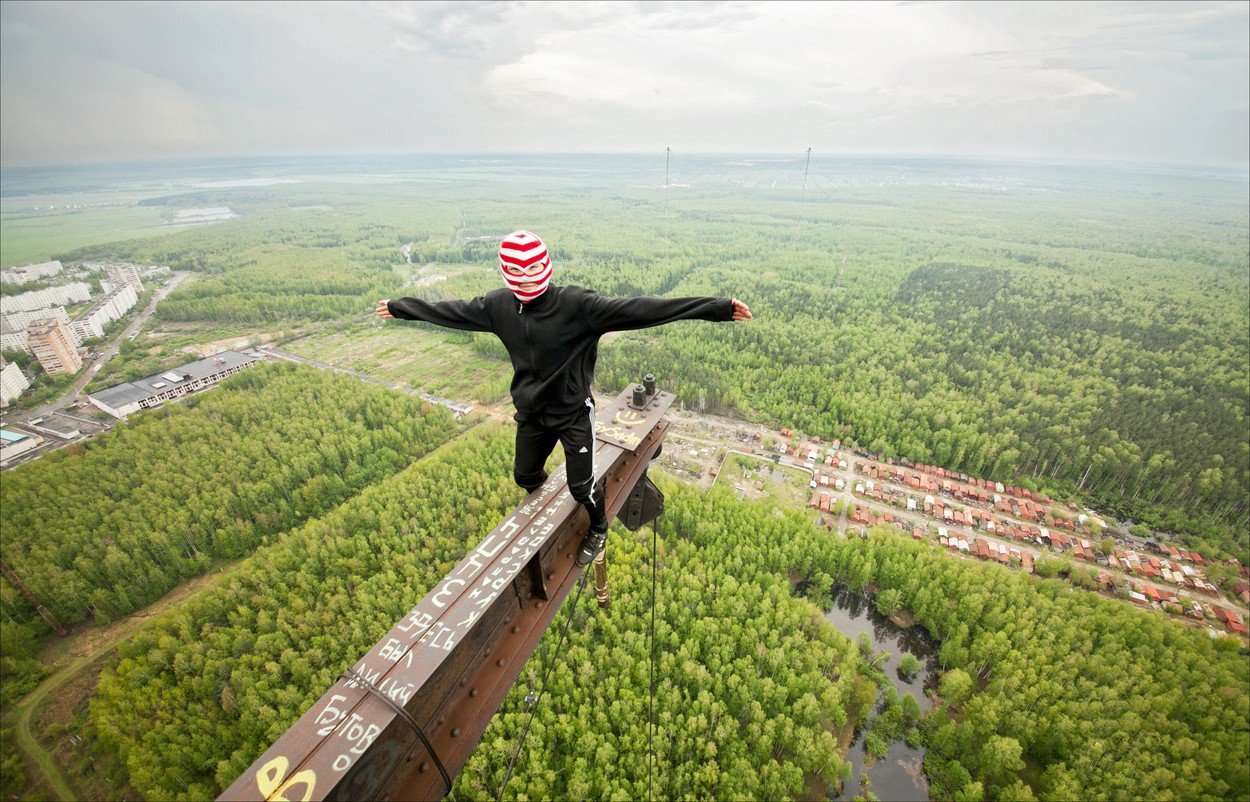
pixel 592 545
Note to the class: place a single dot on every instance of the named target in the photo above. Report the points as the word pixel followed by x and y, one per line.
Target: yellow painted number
pixel 270 781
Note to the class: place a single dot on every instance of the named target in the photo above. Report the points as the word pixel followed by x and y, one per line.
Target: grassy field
pixel 757 479
pixel 24 240
pixel 415 357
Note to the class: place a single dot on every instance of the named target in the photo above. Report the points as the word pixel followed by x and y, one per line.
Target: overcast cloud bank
pixel 1145 82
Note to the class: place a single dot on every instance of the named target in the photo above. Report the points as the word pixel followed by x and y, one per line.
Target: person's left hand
pixel 741 310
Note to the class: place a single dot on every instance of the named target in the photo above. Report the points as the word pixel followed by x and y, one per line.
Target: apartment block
pixel 21 275
pixel 65 295
pixel 12 382
pixel 52 343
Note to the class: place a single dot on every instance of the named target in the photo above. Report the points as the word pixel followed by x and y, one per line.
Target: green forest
pixel 1046 692
pixel 1105 701
pixel 1062 340
pixel 100 530
pixel 196 697
pixel 1082 333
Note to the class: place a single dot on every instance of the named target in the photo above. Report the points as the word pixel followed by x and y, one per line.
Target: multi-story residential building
pixel 11 337
pixel 12 381
pixel 119 273
pixel 65 295
pixel 109 308
pixel 124 273
pixel 21 275
pixel 20 320
pixel 53 345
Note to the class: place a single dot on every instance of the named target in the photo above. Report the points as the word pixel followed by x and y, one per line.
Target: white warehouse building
pixel 125 399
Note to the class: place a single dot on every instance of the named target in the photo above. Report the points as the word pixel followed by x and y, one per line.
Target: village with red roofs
pixel 851 490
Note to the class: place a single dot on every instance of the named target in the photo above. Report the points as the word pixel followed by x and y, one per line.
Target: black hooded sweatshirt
pixel 553 340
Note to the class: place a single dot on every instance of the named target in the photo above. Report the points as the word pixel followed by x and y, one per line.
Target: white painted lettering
pixel 445 591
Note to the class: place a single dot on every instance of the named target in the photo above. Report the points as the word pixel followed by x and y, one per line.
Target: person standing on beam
pixel 552 337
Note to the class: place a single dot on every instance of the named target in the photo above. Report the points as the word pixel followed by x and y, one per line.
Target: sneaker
pixel 592 545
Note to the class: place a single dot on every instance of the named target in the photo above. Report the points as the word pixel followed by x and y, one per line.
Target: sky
pixel 1118 82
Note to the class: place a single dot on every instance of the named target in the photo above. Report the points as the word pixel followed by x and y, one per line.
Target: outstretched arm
pixel 622 314
pixel 463 315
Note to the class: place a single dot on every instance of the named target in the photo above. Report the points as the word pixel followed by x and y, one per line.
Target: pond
pixel 898 775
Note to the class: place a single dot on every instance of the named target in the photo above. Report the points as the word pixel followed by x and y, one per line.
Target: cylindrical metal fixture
pixel 640 397
pixel 601 578
pixel 648 382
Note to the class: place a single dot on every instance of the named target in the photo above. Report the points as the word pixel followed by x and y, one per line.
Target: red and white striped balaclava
pixel 522 251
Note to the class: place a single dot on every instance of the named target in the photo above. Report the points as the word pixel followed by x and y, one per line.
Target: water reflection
pixel 898 775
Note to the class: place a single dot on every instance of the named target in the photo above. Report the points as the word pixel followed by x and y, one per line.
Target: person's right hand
pixel 382 311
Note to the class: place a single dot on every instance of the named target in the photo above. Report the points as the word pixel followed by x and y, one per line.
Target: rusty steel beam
pixel 404 718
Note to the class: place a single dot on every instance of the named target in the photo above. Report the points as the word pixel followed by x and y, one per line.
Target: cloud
pixel 1066 80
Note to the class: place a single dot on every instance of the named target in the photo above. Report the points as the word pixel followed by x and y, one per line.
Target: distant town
pixel 38 321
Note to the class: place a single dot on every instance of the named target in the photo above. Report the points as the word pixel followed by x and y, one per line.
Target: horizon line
pixel 798 154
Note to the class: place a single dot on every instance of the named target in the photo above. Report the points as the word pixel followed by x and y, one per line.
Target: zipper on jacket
pixel 529 342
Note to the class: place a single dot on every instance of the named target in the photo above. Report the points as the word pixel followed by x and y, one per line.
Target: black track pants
pixel 535 440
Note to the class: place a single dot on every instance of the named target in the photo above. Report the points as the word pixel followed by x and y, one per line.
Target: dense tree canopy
pixel 1087 333
pixel 751 681
pixel 747 676
pixel 105 528
pixel 1090 339
pixel 1108 699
